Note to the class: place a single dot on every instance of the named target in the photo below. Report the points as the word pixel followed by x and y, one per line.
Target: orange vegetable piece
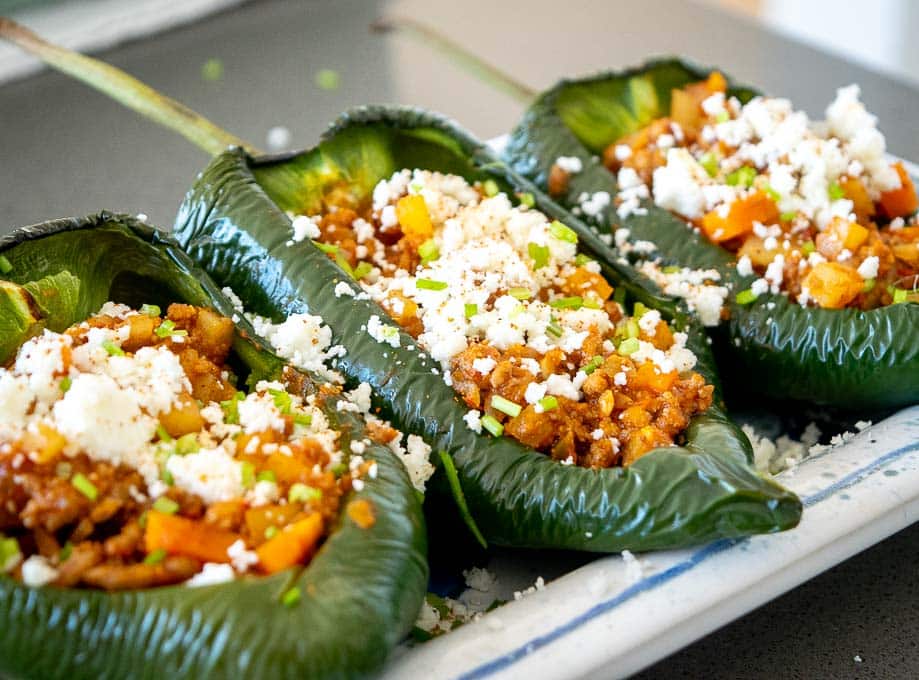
pixel 290 546
pixel 686 103
pixel 184 418
pixel 182 536
pixel 855 236
pixel 757 207
pixel 409 308
pixel 583 281
pixel 648 377
pixel 259 519
pixel 642 441
pixel 286 469
pixel 413 215
pixel 44 445
pixel 755 248
pixel 832 285
pixel 856 192
pixel 849 234
pixel 903 201
pixel 716 82
pixel 361 513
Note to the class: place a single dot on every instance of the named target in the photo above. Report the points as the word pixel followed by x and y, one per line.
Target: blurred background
pixel 276 72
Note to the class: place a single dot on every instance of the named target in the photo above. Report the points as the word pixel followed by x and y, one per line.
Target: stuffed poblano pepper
pixel 568 404
pixel 174 498
pixel 578 408
pixel 800 235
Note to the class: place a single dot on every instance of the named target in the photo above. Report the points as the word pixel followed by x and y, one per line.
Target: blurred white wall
pixel 878 34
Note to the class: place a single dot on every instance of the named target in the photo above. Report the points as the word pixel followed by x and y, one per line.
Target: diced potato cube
pixel 832 285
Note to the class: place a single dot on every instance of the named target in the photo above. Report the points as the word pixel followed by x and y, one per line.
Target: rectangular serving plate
pixel 610 618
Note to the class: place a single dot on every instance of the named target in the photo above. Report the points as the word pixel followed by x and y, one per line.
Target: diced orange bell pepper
pixel 757 207
pixel 903 201
pixel 584 281
pixel 290 546
pixel 182 536
pixel 832 285
pixel 412 213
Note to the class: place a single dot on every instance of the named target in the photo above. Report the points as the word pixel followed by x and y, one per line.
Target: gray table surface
pixel 68 151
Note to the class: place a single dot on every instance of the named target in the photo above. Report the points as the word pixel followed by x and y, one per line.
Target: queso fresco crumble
pixel 522 326
pixel 813 209
pixel 129 458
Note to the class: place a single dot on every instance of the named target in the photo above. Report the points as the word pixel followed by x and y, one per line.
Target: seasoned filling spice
pixel 814 209
pixel 524 327
pixel 129 458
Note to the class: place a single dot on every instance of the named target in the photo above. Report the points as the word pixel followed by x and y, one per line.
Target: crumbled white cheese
pixel 381 332
pixel 540 584
pixel 868 269
pixel 212 474
pixel 570 164
pixel 211 574
pixel 480 579
pixel 484 365
pixel 417 461
pixel 342 288
pixel 305 227
pixel 241 558
pixel 37 572
pixel 473 419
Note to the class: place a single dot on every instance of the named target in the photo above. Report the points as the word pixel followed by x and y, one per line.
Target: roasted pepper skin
pixel 360 594
pixel 849 360
pixel 234 224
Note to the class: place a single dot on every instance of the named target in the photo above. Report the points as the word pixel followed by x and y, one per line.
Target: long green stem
pixel 474 64
pixel 125 89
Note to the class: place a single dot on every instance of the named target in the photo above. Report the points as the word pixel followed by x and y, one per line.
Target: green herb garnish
pixel 165 505
pixel 745 297
pixel 563 232
pixel 539 254
pixel 301 493
pixel 428 251
pixel 570 302
pixel 628 346
pixel 741 177
pixel 112 349
pixel 155 557
pixel 505 406
pixel 431 284
pixel 82 484
pixel 491 424
pixel 548 403
pixel 291 597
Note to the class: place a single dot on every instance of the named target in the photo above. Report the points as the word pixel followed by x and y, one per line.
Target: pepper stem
pixel 458 54
pixel 125 89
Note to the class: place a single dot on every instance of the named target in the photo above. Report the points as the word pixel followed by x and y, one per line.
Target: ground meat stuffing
pixel 814 209
pixel 197 472
pixel 525 329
